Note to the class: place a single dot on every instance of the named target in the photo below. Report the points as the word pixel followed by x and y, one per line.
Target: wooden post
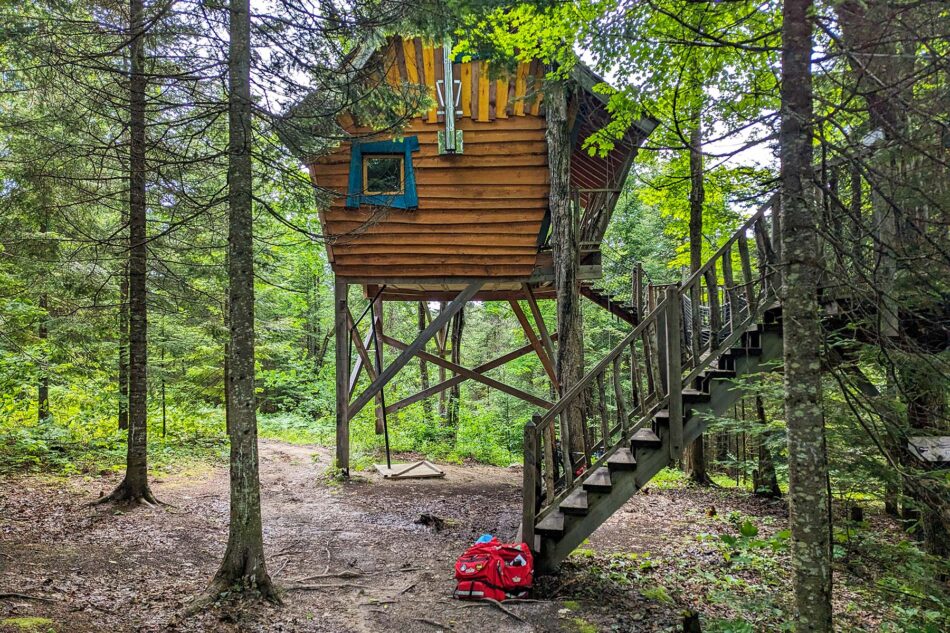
pixel 340 312
pixel 530 475
pixel 674 370
pixel 662 347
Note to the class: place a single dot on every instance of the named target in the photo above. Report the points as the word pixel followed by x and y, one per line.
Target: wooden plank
pixel 484 84
pixel 546 361
pixel 409 54
pixel 618 395
pixel 425 238
pixel 428 66
pixel 468 373
pixel 521 80
pixel 490 176
pixel 439 215
pixel 355 373
pixel 392 67
pixel 440 321
pixel 729 283
pixel 368 364
pixel 538 86
pixel 501 98
pixel 476 79
pixel 466 96
pixel 546 339
pixel 412 231
pixel 430 259
pixel 460 249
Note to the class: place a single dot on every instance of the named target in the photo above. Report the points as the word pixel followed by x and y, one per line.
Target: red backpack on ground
pixel 494 570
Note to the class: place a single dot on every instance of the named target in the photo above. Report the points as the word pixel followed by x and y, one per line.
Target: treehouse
pixel 461 194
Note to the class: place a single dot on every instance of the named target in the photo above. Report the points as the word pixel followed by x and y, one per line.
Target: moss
pixel 29 624
pixel 573 605
pixel 583 626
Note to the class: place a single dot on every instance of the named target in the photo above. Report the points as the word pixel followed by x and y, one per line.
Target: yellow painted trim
pixel 501 98
pixel 521 81
pixel 484 92
pixel 466 89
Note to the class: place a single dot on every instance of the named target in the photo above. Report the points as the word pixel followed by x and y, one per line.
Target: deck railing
pixel 685 329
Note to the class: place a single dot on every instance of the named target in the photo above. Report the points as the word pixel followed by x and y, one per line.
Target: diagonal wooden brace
pixel 465 372
pixel 437 324
pixel 454 380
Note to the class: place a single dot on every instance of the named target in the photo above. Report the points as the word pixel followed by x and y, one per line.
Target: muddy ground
pixel 98 568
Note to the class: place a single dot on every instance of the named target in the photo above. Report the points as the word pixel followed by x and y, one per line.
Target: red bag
pixel 494 570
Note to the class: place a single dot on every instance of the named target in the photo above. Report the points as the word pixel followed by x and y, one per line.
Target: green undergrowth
pixel 81 438
pixel 735 572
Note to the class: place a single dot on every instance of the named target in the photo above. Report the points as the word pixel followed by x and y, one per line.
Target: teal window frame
pixel 408 199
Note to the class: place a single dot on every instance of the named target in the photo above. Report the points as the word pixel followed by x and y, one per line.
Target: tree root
pixel 123 495
pixel 221 588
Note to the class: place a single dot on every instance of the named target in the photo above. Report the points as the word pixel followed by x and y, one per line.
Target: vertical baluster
pixel 696 340
pixel 636 386
pixel 566 460
pixel 618 395
pixel 586 407
pixel 529 483
pixel 729 290
pixel 649 348
pixel 712 290
pixel 550 467
pixel 636 292
pixel 673 319
pixel 602 405
pixel 746 273
pixel 662 341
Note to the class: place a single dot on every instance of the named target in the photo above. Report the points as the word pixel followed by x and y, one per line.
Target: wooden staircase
pixel 636 410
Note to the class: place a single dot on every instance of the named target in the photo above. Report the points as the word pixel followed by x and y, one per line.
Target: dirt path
pixel 106 570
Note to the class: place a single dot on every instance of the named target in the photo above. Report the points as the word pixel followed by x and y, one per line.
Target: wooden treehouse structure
pixel 455 208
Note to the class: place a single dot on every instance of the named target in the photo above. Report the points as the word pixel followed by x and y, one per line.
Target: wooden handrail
pixel 599 368
pixel 749 223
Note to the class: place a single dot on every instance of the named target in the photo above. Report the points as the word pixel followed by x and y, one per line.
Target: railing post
pixel 662 336
pixel 530 474
pixel 674 369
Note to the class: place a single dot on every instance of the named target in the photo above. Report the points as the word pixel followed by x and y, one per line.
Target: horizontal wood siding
pixel 479 213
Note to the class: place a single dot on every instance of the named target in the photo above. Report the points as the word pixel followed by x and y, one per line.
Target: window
pixel 381 174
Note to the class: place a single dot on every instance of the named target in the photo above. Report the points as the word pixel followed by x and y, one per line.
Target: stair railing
pixel 680 337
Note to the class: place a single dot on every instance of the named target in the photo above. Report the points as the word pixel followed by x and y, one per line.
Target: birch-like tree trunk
pixel 243 563
pixel 807 455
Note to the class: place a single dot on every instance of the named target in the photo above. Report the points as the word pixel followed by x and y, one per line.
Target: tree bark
pixel 455 393
pixel 695 458
pixel 134 487
pixel 565 250
pixel 243 563
pixel 424 367
pixel 807 455
pixel 123 418
pixel 42 383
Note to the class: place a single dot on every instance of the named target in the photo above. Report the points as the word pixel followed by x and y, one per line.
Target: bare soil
pixel 366 561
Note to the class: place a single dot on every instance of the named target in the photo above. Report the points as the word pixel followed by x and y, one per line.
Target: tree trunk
pixel 766 483
pixel 455 393
pixel 124 346
pixel 42 383
pixel 809 510
pixel 134 488
pixel 243 563
pixel 424 367
pixel 695 459
pixel 564 246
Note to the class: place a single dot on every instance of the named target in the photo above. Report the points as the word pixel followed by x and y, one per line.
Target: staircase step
pixel 576 503
pixel 646 438
pixel 598 481
pixel 662 417
pixel 622 459
pixel 694 395
pixel 551 525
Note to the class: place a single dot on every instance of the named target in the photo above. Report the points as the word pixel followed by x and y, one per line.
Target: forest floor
pixel 368 562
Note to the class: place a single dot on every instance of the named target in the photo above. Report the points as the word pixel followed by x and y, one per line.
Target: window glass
pixel 382 174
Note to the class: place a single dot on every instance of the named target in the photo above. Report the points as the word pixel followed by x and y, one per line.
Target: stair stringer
pixel 650 461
